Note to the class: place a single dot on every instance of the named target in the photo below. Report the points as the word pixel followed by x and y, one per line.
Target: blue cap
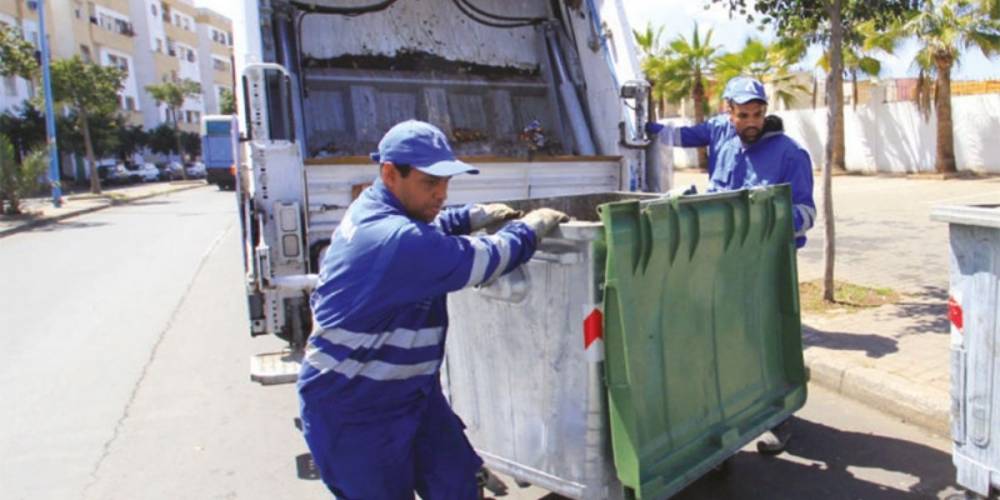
pixel 744 89
pixel 422 146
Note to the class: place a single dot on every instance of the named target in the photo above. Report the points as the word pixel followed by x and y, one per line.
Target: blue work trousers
pixel 424 451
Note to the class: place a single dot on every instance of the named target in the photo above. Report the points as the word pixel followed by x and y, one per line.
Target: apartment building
pixel 152 40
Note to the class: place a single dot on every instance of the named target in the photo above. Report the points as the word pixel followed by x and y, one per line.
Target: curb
pixel 107 202
pixel 883 391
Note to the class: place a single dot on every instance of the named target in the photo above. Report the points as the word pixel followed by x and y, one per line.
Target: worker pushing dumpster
pixel 646 342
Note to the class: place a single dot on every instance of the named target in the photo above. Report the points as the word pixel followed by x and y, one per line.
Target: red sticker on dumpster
pixel 592 327
pixel 955 313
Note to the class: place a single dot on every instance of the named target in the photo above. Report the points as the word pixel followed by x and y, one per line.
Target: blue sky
pixel 679 17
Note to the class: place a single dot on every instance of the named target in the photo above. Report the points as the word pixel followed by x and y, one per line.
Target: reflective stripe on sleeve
pixel 480 261
pixel 808 215
pixel 400 337
pixel 503 246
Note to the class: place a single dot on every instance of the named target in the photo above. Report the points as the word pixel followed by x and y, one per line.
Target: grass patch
pixel 848 297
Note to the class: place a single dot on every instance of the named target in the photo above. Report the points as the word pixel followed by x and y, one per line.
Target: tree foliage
pixel 771 63
pixel 17 55
pixel 88 90
pixel 19 179
pixel 25 127
pixel 173 94
pixel 227 102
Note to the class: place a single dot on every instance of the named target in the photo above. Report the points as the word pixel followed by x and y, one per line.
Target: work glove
pixel 543 220
pixel 653 128
pixel 482 216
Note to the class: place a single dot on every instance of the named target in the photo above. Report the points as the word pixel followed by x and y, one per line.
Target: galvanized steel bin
pixel 638 348
pixel 974 302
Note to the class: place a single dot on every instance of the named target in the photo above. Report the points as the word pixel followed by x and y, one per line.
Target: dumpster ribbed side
pixel 702 331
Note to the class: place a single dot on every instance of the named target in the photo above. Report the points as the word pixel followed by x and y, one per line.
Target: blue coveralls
pixel 374 415
pixel 773 159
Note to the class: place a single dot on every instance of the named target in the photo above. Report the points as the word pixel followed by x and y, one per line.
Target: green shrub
pixel 18 181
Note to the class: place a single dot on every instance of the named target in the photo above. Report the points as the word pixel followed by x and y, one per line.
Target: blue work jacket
pixel 380 314
pixel 773 159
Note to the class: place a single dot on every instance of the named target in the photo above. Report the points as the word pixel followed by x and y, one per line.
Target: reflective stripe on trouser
pixel 424 451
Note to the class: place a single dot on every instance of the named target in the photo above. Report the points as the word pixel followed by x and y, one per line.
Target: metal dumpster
pixel 639 348
pixel 974 237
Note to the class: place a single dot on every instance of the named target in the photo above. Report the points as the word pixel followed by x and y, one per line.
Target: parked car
pixel 148 172
pixel 173 170
pixel 113 174
pixel 195 170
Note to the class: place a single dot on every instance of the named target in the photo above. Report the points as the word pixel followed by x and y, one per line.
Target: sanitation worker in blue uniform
pixel 746 149
pixel 374 416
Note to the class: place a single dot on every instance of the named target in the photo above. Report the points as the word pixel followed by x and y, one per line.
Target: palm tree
pixel 944 29
pixel 173 94
pixel 686 70
pixel 649 42
pixel 769 63
pixel 858 59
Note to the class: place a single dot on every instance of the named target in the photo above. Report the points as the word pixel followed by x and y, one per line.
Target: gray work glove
pixel 482 216
pixel 543 220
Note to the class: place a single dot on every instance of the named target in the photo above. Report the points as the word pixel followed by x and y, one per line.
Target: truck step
pixel 272 368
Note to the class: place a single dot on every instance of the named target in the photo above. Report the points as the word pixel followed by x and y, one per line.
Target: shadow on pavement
pixel 824 462
pixel 874 346
pixel 49 227
pixel 929 312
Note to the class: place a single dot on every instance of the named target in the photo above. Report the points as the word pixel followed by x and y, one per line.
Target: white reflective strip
pixel 400 337
pixel 479 262
pixel 503 246
pixel 808 215
pixel 375 370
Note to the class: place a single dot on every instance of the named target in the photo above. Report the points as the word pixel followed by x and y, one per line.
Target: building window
pixel 85 53
pixel 159 45
pixel 219 64
pixel 130 103
pixel 78 13
pixel 229 39
pixel 152 9
pixel 191 57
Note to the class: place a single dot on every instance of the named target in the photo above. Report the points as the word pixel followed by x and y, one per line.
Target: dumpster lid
pixel 703 344
pixel 969 215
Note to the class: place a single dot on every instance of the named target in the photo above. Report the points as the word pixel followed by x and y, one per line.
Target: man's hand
pixel 653 128
pixel 544 220
pixel 482 216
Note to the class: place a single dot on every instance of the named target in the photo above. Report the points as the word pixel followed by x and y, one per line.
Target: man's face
pixel 748 119
pixel 422 195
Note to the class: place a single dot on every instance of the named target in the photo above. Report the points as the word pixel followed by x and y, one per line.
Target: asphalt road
pixel 125 366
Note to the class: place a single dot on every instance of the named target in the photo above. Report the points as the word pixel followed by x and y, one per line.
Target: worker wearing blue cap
pixel 373 412
pixel 747 148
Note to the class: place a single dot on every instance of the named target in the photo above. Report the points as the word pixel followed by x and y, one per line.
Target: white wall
pixel 893 137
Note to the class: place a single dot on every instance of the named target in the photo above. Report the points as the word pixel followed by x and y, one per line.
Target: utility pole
pixel 50 117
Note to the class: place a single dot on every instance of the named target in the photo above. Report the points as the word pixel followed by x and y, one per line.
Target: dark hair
pixel 731 103
pixel 404 170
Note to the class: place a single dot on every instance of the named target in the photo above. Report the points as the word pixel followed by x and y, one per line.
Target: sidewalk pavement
pixel 39 211
pixel 895 357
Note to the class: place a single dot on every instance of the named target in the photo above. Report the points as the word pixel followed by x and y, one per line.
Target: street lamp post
pixel 50 117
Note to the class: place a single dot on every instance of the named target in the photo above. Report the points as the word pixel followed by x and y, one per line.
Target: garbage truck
pixel 630 355
pixel 545 98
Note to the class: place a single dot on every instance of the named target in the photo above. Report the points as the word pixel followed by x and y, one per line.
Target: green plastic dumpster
pixel 647 341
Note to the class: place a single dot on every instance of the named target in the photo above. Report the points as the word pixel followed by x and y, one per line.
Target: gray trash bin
pixel 973 305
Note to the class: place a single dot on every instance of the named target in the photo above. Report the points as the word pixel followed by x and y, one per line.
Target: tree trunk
pixel 95 180
pixel 180 147
pixel 944 163
pixel 815 90
pixel 854 89
pixel 698 96
pixel 835 113
pixel 839 153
